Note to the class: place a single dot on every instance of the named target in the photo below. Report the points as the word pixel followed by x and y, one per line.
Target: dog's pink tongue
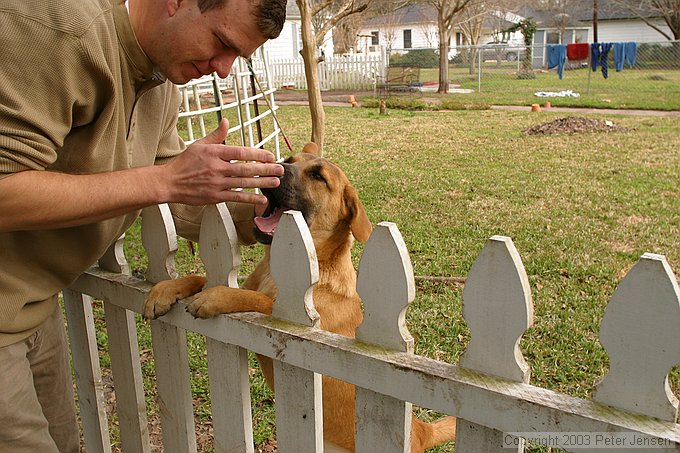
pixel 268 224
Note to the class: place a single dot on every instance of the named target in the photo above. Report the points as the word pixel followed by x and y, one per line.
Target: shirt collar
pixel 142 68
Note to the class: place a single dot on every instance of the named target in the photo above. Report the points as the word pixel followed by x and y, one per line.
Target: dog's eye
pixel 316 175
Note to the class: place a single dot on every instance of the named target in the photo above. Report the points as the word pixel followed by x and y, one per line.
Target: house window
pixel 375 38
pixel 407 39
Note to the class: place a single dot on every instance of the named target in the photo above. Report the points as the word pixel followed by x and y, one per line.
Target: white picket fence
pixel 489 391
pixel 350 72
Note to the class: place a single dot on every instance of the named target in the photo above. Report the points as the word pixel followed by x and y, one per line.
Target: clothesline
pixel 598 53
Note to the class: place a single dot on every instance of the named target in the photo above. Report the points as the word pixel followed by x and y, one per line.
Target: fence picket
pixel 114 258
pixel 386 286
pixel 294 266
pixel 169 342
pixel 174 388
pixel 230 395
pixel 227 364
pixel 159 238
pixel 126 368
pixel 641 333
pixel 85 358
pixel 498 308
pixel 295 270
pixel 218 247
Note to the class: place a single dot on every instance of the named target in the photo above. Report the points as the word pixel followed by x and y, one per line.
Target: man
pixel 88 138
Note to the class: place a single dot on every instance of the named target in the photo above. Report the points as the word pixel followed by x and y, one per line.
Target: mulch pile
pixel 574 125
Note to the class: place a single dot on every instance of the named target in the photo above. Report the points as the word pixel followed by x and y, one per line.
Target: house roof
pixel 412 14
pixel 581 12
pixel 292 11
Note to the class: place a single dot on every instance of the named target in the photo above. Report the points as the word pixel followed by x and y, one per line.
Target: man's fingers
pixel 218 135
pixel 231 153
pixel 244 197
pixel 248 170
pixel 251 183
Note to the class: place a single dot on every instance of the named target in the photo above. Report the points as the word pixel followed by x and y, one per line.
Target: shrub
pixel 417 58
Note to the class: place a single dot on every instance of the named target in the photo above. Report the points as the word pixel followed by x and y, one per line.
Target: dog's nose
pixel 286 170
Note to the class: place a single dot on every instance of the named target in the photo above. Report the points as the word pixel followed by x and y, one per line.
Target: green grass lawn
pixel 656 89
pixel 581 210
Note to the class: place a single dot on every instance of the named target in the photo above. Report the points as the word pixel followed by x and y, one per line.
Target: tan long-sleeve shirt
pixel 77 95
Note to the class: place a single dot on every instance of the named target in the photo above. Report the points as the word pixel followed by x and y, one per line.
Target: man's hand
pixel 208 171
pixel 203 174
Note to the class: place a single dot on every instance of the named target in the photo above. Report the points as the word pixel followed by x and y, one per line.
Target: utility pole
pixel 595 8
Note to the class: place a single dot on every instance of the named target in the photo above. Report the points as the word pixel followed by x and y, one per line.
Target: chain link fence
pixel 510 72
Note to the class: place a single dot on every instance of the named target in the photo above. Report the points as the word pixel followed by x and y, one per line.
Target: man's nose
pixel 222 64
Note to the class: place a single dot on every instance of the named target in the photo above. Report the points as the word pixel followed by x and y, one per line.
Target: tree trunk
pixel 443 58
pixel 311 72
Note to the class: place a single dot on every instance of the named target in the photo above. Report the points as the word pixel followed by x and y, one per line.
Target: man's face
pixel 185 44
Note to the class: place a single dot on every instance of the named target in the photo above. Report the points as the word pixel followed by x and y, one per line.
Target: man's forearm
pixel 31 199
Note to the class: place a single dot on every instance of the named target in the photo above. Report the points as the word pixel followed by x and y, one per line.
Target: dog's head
pixel 321 191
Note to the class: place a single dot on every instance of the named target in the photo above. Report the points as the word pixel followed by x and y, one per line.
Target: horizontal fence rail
pixel 489 391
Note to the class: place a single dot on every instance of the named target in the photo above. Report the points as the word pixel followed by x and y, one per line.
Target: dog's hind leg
pixel 427 435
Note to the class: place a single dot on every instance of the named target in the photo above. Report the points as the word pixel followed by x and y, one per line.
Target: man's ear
pixel 358 220
pixel 311 148
pixel 172 6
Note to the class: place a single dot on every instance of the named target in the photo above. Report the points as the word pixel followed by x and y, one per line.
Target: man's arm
pixel 203 174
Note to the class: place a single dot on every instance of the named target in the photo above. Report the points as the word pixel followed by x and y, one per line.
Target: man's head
pixel 270 14
pixel 186 39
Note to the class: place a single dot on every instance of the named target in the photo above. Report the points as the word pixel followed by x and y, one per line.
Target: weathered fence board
pixel 88 374
pixel 498 308
pixel 483 399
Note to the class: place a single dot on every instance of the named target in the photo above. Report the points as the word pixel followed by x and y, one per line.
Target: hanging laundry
pixel 619 55
pixel 594 55
pixel 577 51
pixel 599 56
pixel 631 52
pixel 557 55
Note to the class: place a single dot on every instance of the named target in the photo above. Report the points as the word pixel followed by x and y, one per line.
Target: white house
pixel 411 27
pixel 289 42
pixel 415 27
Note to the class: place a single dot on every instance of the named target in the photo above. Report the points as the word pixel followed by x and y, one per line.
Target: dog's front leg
pixel 164 294
pixel 222 299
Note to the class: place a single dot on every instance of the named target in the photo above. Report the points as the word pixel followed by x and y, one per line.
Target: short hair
pixel 270 14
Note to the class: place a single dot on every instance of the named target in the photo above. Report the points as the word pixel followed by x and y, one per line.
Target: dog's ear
pixel 358 220
pixel 311 148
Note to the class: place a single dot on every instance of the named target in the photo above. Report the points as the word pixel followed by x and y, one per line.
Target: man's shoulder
pixel 69 16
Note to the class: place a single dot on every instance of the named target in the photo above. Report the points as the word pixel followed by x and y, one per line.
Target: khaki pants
pixel 37 408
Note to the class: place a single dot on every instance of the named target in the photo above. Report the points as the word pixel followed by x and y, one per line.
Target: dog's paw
pixel 207 304
pixel 165 294
pixel 160 300
pixel 214 301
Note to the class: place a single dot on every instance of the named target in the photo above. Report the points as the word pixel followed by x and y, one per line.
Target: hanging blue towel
pixel 594 55
pixel 557 55
pixel 605 47
pixel 630 53
pixel 619 55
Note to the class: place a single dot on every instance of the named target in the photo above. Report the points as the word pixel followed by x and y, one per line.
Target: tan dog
pixel 333 212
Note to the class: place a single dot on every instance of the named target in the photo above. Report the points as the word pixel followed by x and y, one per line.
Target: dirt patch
pixel 574 125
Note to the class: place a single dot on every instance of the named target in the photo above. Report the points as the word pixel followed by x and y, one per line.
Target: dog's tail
pixel 443 430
